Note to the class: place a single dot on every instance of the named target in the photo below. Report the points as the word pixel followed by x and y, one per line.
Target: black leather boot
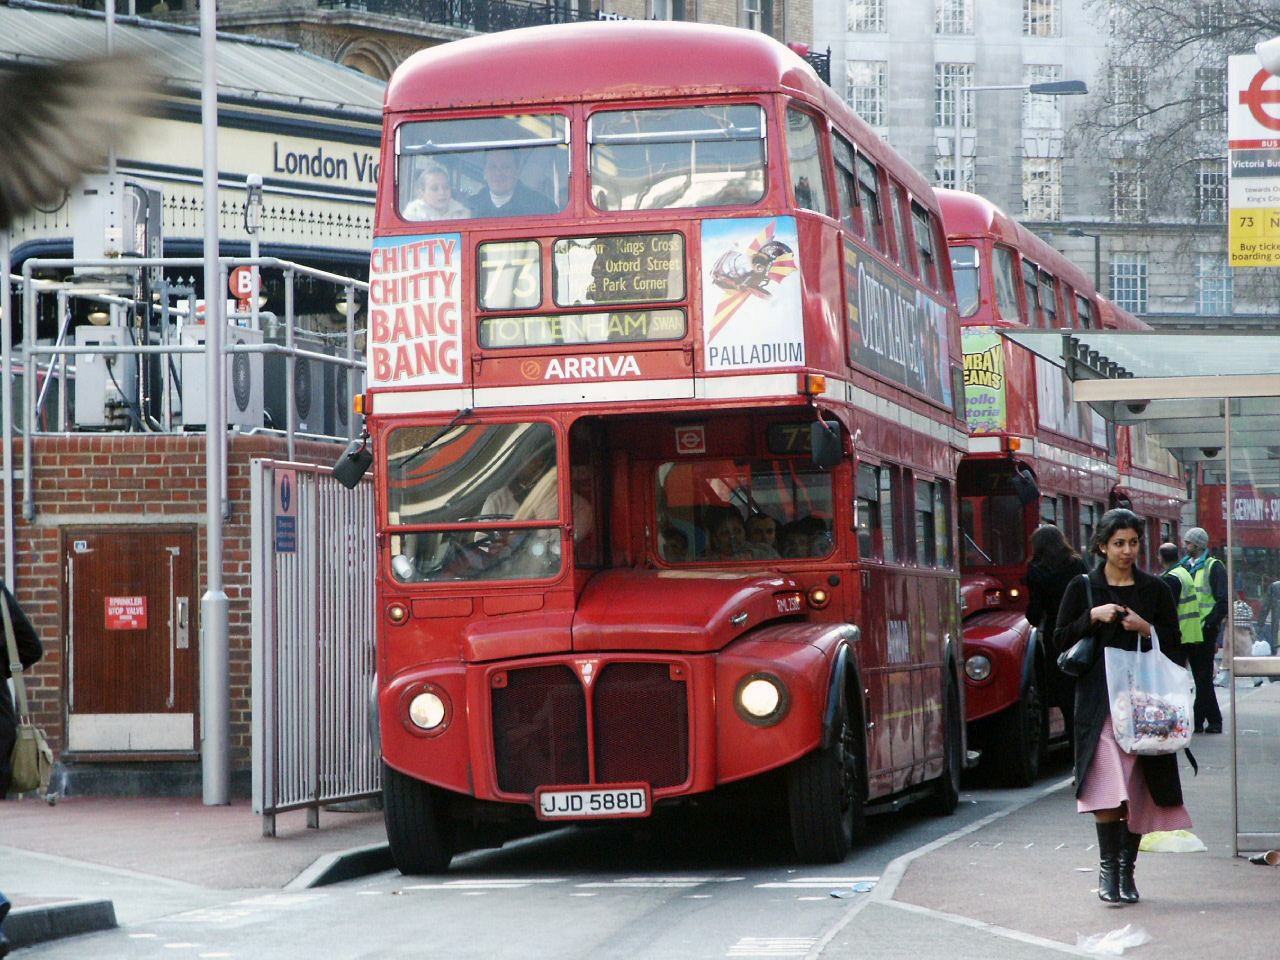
pixel 1109 860
pixel 1128 859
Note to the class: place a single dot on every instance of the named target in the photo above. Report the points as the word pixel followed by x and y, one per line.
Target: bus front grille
pixel 540 729
pixel 641 725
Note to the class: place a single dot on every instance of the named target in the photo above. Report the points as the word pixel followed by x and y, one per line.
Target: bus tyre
pixel 1018 738
pixel 417 830
pixel 946 791
pixel 825 798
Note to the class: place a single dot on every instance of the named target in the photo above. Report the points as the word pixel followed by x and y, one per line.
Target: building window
pixel 1128 195
pixel 868 89
pixel 954 16
pixel 1211 87
pixel 753 14
pixel 1039 110
pixel 1042 188
pixel 1041 18
pixel 866 16
pixel 1213 284
pixel 668 9
pixel 944 166
pixel 1211 191
pixel 1211 15
pixel 947 79
pixel 1128 97
pixel 1129 281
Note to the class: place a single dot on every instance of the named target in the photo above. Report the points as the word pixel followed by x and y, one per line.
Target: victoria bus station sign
pixel 895 329
pixel 1253 138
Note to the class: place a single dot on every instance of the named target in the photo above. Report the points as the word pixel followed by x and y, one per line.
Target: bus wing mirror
pixel 354 463
pixel 1025 486
pixel 824 444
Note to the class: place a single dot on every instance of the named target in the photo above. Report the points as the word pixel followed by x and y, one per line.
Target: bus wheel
pixel 825 798
pixel 1019 732
pixel 946 791
pixel 417 830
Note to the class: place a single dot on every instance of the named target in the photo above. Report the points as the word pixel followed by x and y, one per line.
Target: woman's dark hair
pixel 1111 523
pixel 1049 548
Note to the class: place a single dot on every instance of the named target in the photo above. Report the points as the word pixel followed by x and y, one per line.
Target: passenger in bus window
pixel 762 536
pixel 675 545
pixel 503 195
pixel 433 198
pixel 805 537
pixel 728 536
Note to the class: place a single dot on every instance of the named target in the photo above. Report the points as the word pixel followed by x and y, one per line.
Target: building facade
pixel 1153 231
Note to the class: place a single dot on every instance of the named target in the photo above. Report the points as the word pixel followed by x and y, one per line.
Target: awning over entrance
pixel 1177 385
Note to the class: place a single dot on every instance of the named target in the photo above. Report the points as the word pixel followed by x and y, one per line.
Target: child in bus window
pixel 434 198
pixel 728 536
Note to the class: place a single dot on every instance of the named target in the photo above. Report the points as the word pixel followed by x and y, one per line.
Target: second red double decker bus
pixel 665 405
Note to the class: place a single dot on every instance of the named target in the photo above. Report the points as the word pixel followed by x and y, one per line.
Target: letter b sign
pixel 241 283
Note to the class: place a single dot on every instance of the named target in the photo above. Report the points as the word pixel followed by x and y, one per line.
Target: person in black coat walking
pixel 1052 566
pixel 29 651
pixel 1121 606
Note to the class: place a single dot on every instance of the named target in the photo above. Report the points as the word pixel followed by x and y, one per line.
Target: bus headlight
pixel 977 668
pixel 427 710
pixel 761 699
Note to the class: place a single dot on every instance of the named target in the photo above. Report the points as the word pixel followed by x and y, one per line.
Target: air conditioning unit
pixel 341 385
pixel 106 384
pixel 243 375
pixel 308 387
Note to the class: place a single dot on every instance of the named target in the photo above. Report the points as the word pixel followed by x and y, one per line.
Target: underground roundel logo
pixel 531 370
pixel 1256 97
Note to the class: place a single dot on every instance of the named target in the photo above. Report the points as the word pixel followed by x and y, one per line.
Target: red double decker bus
pixel 664 400
pixel 1034 457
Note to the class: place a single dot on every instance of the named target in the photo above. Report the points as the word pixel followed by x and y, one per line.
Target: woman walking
pixel 1127 795
pixel 1052 566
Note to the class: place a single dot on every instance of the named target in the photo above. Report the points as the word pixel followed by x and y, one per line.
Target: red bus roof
pixel 967 216
pixel 622 59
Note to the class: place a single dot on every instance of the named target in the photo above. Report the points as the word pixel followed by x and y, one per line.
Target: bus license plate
pixel 577 803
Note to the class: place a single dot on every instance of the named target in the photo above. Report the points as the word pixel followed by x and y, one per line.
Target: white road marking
pixel 495 883
pixel 670 883
pixel 143 936
pixel 816 883
pixel 771 947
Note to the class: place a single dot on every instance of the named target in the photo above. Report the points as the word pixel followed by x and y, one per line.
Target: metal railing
pixel 821 63
pixel 313 656
pixel 484 16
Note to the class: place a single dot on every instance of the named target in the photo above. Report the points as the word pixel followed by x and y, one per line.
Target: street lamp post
pixel 1055 88
pixel 1097 255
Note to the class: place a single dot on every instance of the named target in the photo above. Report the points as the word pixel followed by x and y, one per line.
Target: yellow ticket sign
pixel 1253 139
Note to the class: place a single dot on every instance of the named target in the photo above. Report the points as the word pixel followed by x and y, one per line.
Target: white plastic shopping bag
pixel 1152 700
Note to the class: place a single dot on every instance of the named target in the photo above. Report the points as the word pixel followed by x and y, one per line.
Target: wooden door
pixel 130 639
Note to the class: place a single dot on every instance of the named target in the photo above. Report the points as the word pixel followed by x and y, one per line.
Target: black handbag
pixel 1076 661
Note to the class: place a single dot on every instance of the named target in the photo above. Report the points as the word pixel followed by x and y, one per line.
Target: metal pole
pixel 1228 649
pixel 351 355
pixel 215 705
pixel 290 366
pixel 1097 264
pixel 110 9
pixel 6 405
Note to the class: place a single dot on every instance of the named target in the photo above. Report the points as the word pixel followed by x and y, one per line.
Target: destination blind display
pixel 637 326
pixel 631 268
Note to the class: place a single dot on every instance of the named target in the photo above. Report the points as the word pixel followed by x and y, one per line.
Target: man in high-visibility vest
pixel 1201 612
pixel 1178 581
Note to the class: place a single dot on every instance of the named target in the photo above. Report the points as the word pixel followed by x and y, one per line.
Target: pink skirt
pixel 1114 777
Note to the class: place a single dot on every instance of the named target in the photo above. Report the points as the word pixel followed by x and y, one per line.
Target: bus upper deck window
pixel 964 269
pixel 1085 309
pixel 1029 274
pixel 872 209
pixel 1005 276
pixel 667 158
pixel 804 154
pixel 924 245
pixel 846 184
pixel 1049 299
pixel 482 167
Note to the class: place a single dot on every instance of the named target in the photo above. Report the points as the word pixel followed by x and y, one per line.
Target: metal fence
pixel 313 643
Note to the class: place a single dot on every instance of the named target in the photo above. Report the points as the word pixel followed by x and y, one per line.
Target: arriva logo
pixel 610 365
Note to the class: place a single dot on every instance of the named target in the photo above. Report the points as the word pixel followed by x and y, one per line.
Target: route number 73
pixel 510 275
pixel 1246 221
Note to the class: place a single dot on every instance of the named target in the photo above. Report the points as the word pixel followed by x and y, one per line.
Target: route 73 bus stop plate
pixel 580 803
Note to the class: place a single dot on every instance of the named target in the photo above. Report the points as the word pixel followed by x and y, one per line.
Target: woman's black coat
pixel 1155 605
pixel 1045 587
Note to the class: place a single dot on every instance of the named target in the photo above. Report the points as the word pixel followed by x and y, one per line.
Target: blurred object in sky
pixel 60 120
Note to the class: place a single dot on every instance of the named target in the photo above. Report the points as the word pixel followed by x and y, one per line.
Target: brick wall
pixel 128 480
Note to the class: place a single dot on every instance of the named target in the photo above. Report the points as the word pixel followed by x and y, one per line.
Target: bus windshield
pixel 964 267
pixel 478 478
pixel 658 159
pixel 743 510
pixel 994 532
pixel 480 167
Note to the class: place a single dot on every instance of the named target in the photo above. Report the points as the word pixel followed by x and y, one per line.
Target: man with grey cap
pixel 1201 612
